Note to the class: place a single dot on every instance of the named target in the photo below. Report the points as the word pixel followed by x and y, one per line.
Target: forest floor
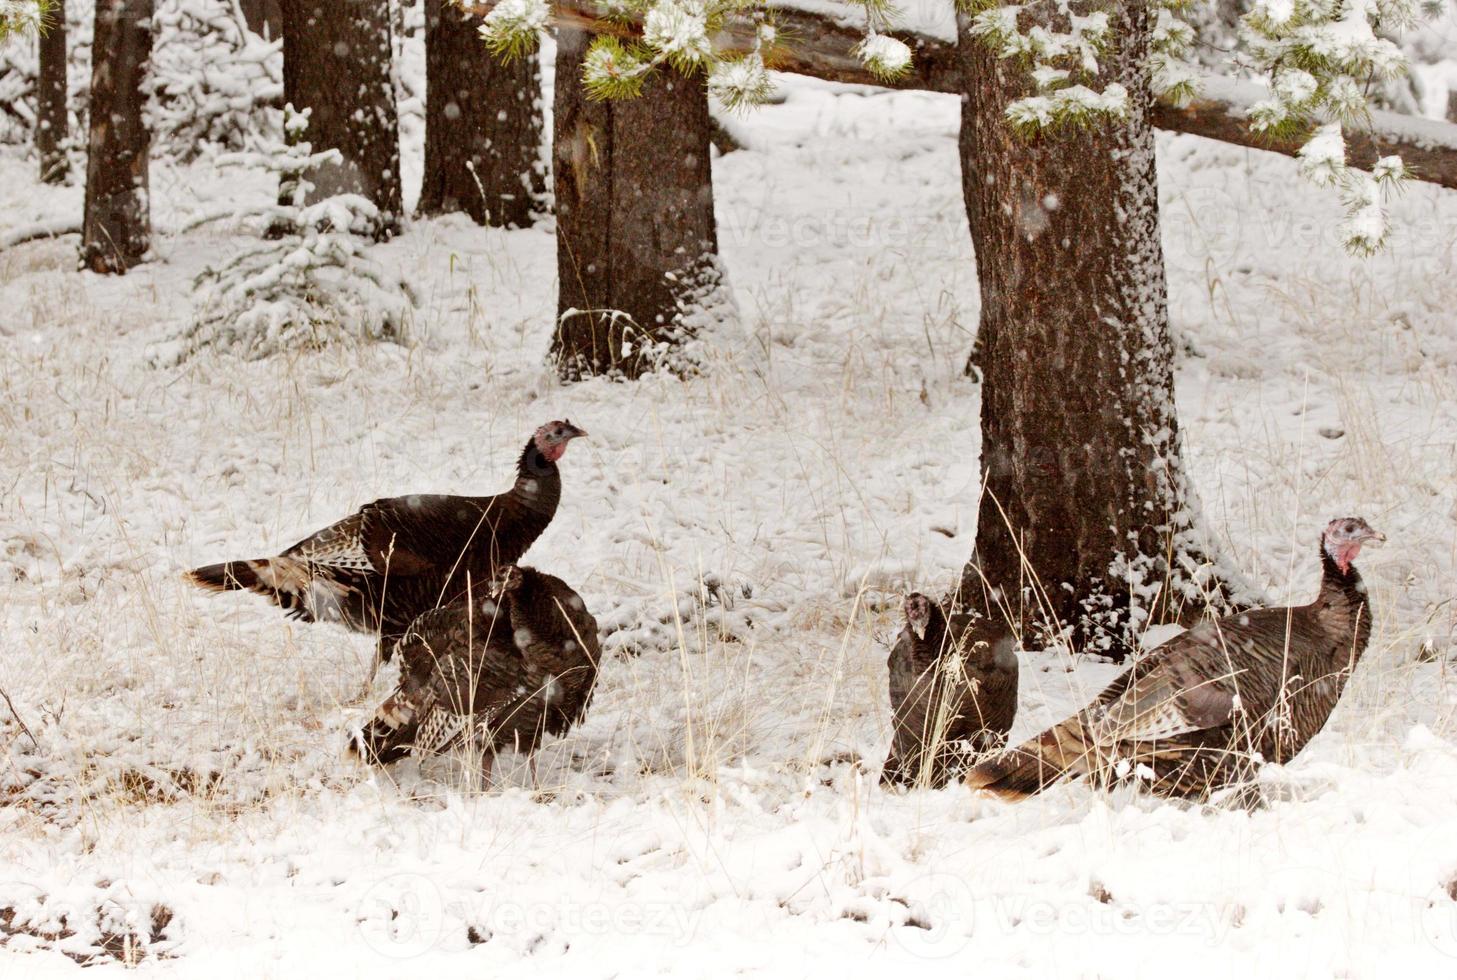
pixel 179 797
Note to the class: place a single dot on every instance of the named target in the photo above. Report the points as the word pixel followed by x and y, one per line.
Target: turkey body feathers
pixel 953 696
pixel 398 557
pixel 505 671
pixel 1205 709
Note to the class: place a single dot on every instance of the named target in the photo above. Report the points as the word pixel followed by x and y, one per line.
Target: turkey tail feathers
pixel 301 590
pixel 389 735
pixel 226 577
pixel 1031 767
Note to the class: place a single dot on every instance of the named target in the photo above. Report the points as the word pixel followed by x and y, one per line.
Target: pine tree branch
pixel 821 46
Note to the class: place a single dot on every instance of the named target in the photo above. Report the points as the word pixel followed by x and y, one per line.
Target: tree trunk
pixel 263 17
pixel 51 121
pixel 1085 499
pixel 637 248
pixel 483 124
pixel 116 231
pixel 336 62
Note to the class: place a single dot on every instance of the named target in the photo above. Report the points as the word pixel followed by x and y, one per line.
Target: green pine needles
pixel 1321 59
pixel 20 17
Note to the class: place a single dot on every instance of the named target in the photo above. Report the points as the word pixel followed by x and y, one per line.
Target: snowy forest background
pixel 171 784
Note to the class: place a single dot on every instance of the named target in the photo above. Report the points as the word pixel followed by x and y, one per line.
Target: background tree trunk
pixel 637 248
pixel 51 122
pixel 1085 497
pixel 116 231
pixel 264 17
pixel 336 62
pixel 483 124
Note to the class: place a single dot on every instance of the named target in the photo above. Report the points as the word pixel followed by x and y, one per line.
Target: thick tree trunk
pixel 51 122
pixel 1085 500
pixel 116 231
pixel 483 124
pixel 336 62
pixel 637 249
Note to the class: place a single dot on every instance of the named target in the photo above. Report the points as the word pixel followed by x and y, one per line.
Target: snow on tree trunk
pixel 116 230
pixel 336 62
pixel 637 249
pixel 1085 497
pixel 483 124
pixel 51 122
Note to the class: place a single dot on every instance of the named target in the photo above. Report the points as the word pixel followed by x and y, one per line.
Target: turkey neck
pixel 538 481
pixel 1343 606
pixel 933 646
pixel 526 603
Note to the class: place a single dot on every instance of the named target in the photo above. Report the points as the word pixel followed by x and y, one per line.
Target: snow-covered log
pixel 823 46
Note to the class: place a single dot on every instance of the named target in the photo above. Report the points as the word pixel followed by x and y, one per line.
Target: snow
pixel 746 534
pixel 883 53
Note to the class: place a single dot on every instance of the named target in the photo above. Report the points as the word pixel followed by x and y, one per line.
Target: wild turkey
pixel 953 693
pixel 380 568
pixel 505 669
pixel 1205 709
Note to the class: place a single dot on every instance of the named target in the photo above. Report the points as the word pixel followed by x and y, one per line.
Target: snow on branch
pixel 23 16
pixel 824 45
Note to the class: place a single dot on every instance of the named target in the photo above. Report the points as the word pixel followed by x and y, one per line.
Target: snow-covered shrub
pixel 310 281
pixel 215 84
pixel 213 79
pixel 18 74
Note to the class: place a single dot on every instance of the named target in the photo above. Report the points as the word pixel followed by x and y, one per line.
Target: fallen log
pixel 822 45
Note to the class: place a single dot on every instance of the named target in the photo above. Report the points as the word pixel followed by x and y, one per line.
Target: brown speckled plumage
pixel 505 669
pixel 398 557
pixel 953 695
pixel 1205 709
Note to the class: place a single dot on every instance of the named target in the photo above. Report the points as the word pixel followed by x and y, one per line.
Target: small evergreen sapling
pixel 311 281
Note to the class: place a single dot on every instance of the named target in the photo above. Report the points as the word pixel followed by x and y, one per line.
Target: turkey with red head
pixel 1204 710
pixel 380 568
pixel 503 670
pixel 953 693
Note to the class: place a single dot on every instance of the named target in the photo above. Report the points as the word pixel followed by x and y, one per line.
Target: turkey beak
pixel 575 432
pixel 1377 537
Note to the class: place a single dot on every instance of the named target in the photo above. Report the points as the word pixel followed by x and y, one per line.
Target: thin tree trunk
pixel 483 124
pixel 263 17
pixel 637 248
pixel 1085 498
pixel 336 63
pixel 51 122
pixel 116 231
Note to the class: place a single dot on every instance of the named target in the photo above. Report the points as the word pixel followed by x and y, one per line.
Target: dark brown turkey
pixel 380 568
pixel 1204 710
pixel 953 693
pixel 503 670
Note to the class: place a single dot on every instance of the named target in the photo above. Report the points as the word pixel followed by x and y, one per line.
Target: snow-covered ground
pixel 718 812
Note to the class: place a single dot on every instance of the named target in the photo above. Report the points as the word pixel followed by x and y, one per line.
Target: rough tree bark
pixel 116 230
pixel 483 124
pixel 51 122
pixel 336 62
pixel 1084 520
pixel 637 249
